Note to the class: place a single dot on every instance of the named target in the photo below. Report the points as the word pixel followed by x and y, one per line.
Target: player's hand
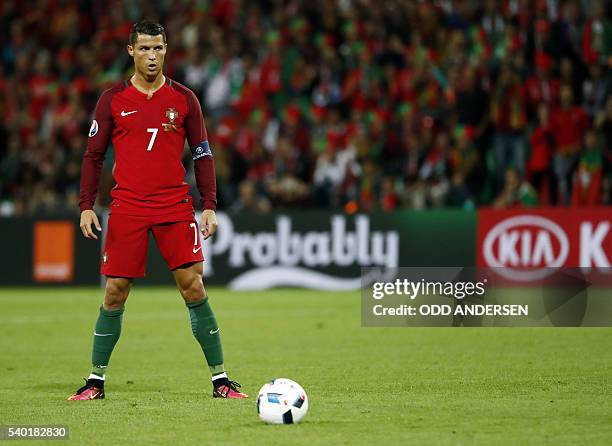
pixel 89 219
pixel 209 223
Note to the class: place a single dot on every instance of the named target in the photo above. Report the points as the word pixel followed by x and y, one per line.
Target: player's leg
pixel 108 325
pixel 106 334
pixel 179 244
pixel 205 328
pixel 124 257
pixel 203 322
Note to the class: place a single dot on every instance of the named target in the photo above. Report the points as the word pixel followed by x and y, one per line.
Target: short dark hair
pixel 148 28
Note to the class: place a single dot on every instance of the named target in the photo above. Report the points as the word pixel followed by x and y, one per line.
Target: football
pixel 282 401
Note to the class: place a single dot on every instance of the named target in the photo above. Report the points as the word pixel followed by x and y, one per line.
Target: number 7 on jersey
pixel 153 132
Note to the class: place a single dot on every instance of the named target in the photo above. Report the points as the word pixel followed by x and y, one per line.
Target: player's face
pixel 148 53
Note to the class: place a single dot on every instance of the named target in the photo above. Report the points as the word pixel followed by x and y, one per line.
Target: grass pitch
pixel 366 385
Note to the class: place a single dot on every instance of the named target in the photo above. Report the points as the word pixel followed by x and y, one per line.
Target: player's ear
pixel 130 50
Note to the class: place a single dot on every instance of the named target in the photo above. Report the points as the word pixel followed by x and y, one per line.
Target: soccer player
pixel 148 118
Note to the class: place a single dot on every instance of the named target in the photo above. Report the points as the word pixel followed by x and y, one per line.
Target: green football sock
pixel 106 335
pixel 205 329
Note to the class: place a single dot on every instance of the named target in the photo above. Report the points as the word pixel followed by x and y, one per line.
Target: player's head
pixel 147 45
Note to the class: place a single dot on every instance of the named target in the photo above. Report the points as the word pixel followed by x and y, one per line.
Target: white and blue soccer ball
pixel 282 401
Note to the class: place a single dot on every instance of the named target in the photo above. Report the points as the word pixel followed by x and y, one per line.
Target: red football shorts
pixel 127 242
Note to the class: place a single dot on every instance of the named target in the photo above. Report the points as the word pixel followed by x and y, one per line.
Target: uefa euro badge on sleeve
pixel 171 114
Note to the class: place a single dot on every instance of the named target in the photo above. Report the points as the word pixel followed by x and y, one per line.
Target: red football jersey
pixel 148 136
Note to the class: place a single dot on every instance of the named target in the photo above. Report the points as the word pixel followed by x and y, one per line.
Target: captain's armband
pixel 201 150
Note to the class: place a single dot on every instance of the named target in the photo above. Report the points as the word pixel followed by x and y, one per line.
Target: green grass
pixel 366 385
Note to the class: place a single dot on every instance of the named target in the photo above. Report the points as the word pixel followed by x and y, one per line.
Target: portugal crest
pixel 172 115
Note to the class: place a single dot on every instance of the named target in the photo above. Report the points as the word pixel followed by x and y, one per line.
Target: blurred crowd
pixel 359 105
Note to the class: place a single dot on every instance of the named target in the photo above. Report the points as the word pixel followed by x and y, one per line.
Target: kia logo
pixel 526 247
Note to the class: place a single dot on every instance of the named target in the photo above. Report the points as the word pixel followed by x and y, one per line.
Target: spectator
pixel 517 192
pixel 588 176
pixel 594 90
pixel 597 36
pixel 388 196
pixel 603 124
pixel 433 188
pixel 333 168
pixel 542 88
pixel 509 116
pixel 472 102
pixel 569 122
pixel 542 142
pixel 249 200
pixel 465 181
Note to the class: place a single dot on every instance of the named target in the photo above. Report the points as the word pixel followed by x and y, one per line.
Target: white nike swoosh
pixel 127 113
pixel 214 331
pixel 196 250
pixel 102 334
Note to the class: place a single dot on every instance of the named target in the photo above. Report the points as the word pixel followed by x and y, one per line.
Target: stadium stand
pixel 356 105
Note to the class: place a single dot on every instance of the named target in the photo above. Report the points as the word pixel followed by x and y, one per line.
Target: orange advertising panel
pixel 53 251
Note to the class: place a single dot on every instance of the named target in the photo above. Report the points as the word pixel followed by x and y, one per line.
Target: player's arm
pixel 203 164
pixel 97 144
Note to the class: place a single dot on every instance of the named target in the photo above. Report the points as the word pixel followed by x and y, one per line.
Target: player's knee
pixel 192 290
pixel 116 294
